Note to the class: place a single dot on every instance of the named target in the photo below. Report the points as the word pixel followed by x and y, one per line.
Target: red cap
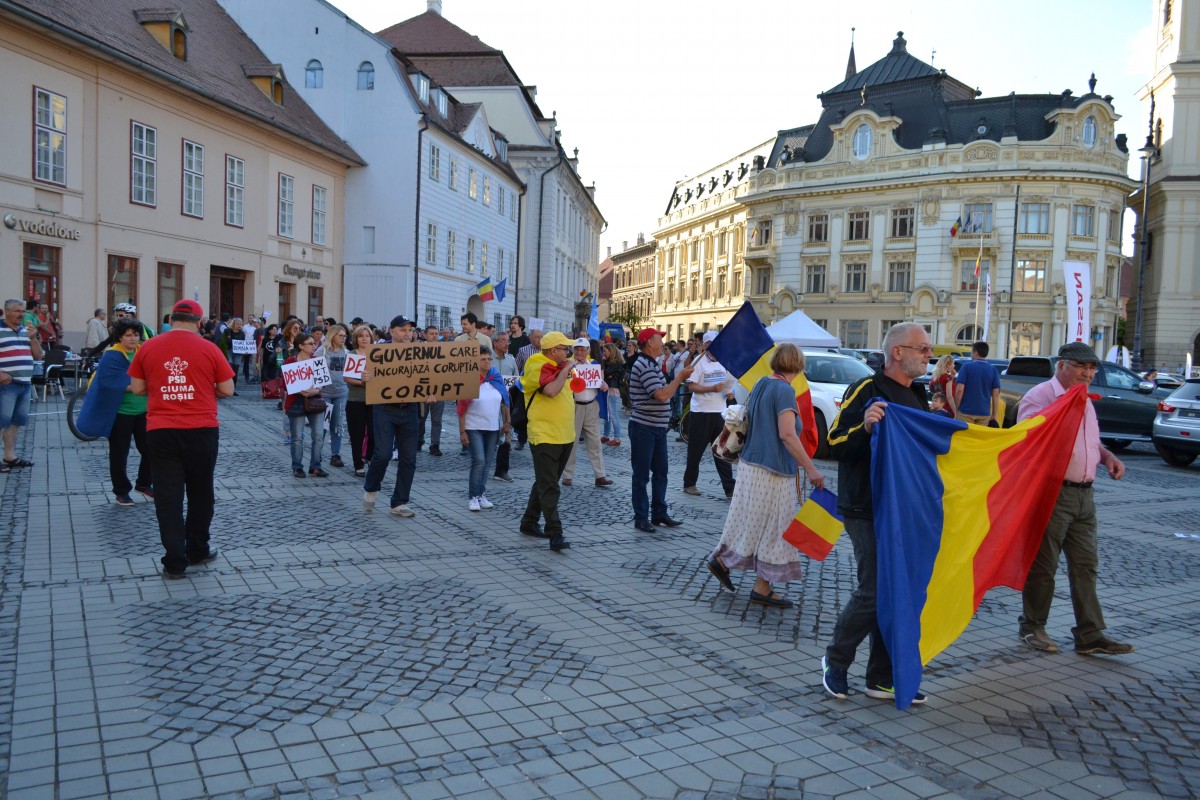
pixel 645 334
pixel 188 307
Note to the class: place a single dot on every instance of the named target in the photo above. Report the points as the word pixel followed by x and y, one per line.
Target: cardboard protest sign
pixel 412 373
pixel 312 373
pixel 537 324
pixel 244 347
pixel 592 375
pixel 354 365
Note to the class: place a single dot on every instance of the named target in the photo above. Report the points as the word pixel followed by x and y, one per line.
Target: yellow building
pixel 154 155
pixel 633 271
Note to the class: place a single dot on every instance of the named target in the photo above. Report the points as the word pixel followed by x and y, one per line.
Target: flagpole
pixel 978 260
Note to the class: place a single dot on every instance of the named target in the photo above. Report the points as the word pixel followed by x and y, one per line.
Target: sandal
pixel 721 573
pixel 5 468
pixel 17 462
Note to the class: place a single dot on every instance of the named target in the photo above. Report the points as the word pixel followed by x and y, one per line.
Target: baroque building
pixel 1169 234
pixel 850 217
pixel 700 276
pixel 158 154
pixel 633 279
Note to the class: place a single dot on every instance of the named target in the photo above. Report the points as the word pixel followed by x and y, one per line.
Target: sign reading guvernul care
pixel 414 373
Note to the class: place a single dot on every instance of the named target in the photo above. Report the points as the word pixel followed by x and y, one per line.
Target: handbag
pixel 272 389
pixel 314 405
pixel 732 438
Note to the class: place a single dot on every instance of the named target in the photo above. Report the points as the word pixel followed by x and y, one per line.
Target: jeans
pixel 648 454
pixel 336 419
pixel 433 413
pixel 858 620
pixel 612 425
pixel 396 428
pixel 296 425
pixel 183 460
pixel 703 429
pixel 125 428
pixel 483 458
pixel 360 421
pixel 549 461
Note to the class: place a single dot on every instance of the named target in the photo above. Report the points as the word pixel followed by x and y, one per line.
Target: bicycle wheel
pixel 73 406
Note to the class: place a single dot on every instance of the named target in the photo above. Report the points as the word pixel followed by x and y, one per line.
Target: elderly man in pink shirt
pixel 1072 526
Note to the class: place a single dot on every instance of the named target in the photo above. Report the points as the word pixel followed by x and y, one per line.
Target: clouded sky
pixel 652 91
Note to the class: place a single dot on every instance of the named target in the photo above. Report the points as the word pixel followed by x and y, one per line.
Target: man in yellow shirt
pixel 551 414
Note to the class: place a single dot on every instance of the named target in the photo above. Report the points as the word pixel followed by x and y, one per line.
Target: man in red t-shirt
pixel 183 374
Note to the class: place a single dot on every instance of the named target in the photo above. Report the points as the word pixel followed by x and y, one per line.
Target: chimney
pixel 610 251
pixel 435 6
pixel 624 245
pixel 641 238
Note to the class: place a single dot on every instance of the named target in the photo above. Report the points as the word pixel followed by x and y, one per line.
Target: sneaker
pixel 834 680
pixel 124 500
pixel 336 461
pixel 317 472
pixel 889 693
pixel 287 438
pixel 297 473
pixel 145 491
pixel 1104 646
pixel 1038 640
pixel 369 501
pixel 403 510
pixel 692 490
pixel 505 478
pixel 473 505
pixel 484 503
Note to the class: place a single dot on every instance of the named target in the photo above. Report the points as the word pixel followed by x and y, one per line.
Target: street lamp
pixel 1149 153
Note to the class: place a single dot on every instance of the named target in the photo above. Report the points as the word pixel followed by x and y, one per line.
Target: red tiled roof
pixel 432 33
pixel 218 53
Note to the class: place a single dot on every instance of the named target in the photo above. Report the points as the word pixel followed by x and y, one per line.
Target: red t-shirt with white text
pixel 181 370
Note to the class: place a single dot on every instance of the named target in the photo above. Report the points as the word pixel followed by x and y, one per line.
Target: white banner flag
pixel 1077 277
pixel 987 305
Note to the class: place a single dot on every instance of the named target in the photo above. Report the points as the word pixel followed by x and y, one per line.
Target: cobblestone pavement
pixel 330 652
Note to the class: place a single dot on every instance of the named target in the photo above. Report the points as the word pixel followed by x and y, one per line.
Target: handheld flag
pixel 593 326
pixel 500 290
pixel 817 525
pixel 484 289
pixel 956 227
pixel 744 348
pixel 959 509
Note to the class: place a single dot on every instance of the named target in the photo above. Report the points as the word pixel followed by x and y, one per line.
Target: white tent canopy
pixel 799 329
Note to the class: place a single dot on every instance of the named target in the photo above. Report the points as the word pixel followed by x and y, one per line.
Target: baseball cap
pixel 580 342
pixel 645 334
pixel 188 307
pixel 555 339
pixel 1078 351
pixel 399 321
pixel 709 336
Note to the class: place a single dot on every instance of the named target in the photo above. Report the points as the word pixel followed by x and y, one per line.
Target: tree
pixel 628 316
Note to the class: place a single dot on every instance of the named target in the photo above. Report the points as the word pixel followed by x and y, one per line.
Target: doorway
pixel 226 291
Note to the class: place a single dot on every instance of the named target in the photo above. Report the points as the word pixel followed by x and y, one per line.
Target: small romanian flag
pixel 484 289
pixel 817 525
pixel 956 227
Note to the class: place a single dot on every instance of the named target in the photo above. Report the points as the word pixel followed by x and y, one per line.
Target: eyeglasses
pixel 1085 367
pixel 927 349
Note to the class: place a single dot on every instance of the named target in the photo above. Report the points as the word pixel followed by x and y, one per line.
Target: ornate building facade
pixel 700 275
pixel 633 275
pixel 1170 233
pixel 850 218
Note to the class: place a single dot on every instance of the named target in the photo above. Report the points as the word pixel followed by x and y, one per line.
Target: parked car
pixel 1176 434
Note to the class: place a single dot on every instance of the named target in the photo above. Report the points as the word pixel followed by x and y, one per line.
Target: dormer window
pixel 314 75
pixel 502 150
pixel 862 142
pixel 269 80
pixel 168 27
pixel 422 84
pixel 366 76
pixel 443 105
pixel 1089 133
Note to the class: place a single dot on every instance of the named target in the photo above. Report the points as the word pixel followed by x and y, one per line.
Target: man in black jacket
pixel 906 350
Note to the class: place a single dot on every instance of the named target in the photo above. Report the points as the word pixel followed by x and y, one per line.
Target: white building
pixel 560 222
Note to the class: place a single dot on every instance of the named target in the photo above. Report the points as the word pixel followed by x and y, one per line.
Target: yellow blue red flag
pixel 817 525
pixel 959 509
pixel 485 289
pixel 744 348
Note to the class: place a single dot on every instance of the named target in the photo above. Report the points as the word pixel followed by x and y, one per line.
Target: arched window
pixel 366 76
pixel 968 335
pixel 314 75
pixel 862 142
pixel 1089 132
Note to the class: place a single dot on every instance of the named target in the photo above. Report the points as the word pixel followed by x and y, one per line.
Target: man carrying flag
pixel 906 349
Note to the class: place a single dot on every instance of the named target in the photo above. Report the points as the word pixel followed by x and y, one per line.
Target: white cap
pixel 709 336
pixel 582 342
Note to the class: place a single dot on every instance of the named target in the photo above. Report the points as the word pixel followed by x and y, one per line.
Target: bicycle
pixel 83 376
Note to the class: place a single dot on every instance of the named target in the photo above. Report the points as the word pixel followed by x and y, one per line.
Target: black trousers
pixel 520 418
pixel 703 430
pixel 184 461
pixel 502 453
pixel 360 422
pixel 128 427
pixel 549 461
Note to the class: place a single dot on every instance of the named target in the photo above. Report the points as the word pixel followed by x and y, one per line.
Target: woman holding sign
pixel 481 423
pixel 305 408
pixel 358 413
pixel 336 393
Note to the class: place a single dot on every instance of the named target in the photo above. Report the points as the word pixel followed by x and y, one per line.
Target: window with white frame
pixel 1034 218
pixel 500 195
pixel 853 332
pixel 193 179
pixel 902 223
pixel 483 258
pixel 814 279
pixel 422 87
pixel 1083 220
pixel 470 255
pixel 235 191
pixel 499 263
pixel 856 278
pixel 1031 275
pixel 969 277
pixel 319 211
pixel 451 242
pixel 287 204
pixel 472 183
pixel 453 177
pixel 859 227
pixel 366 76
pixel 763 280
pixel 862 142
pixel 487 190
pixel 1089 132
pixel 431 243
pixel 443 105
pixel 314 75
pixel 143 148
pixel 818 227
pixel 430 315
pixel 900 276
pixel 50 137
pixel 979 218
pixel 435 162
pixel 722 243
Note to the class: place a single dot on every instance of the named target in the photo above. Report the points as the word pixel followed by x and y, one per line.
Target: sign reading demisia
pixel 592 374
pixel 1077 277
pixel 413 373
pixel 312 373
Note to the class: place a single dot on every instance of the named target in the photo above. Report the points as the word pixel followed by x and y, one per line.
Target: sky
pixel 654 91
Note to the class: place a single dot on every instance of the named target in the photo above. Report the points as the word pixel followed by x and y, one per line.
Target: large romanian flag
pixel 744 348
pixel 958 510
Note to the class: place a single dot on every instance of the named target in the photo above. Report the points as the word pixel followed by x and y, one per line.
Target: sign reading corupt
pixel 413 373
pixel 44 228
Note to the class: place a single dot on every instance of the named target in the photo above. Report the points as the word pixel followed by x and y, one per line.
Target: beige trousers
pixel 587 422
